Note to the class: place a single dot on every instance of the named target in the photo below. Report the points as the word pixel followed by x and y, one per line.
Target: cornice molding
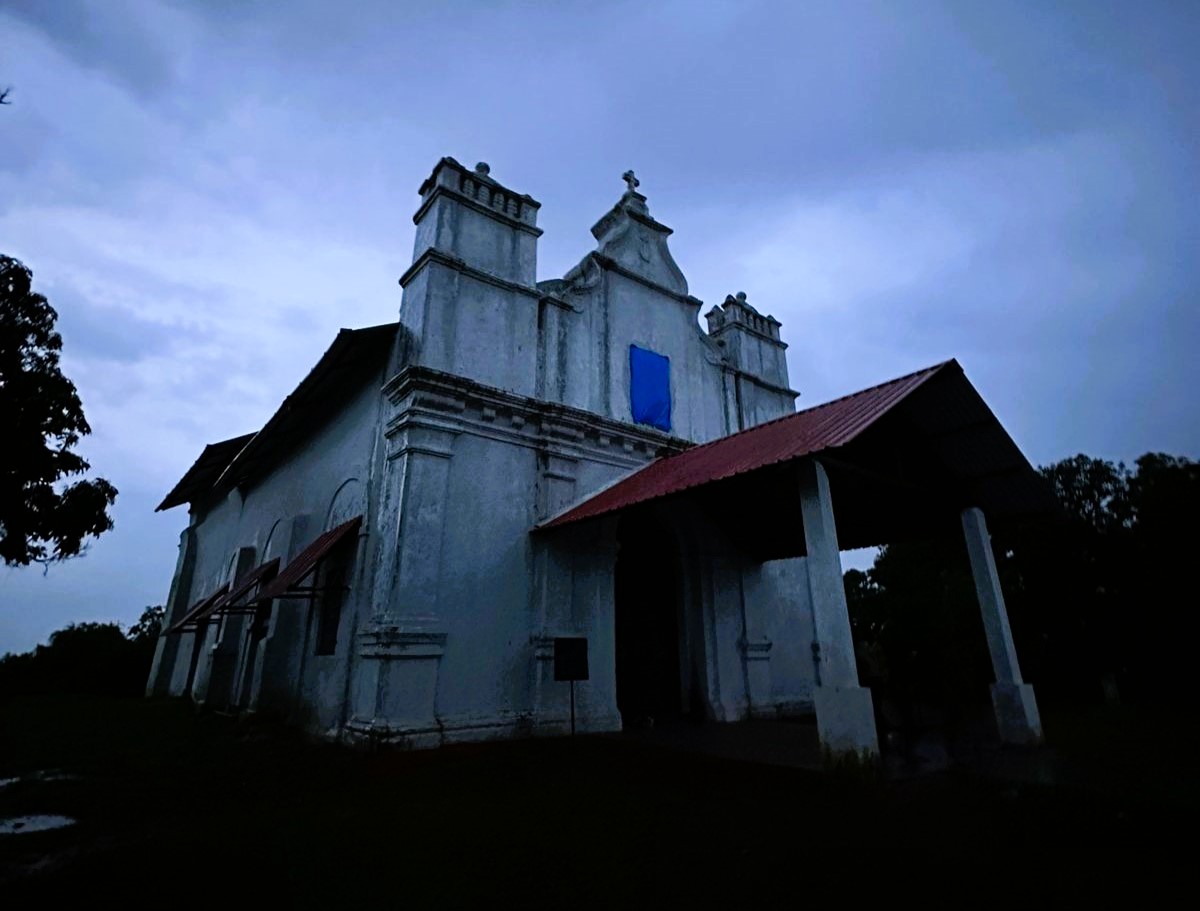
pixel 441 190
pixel 421 395
pixel 450 261
pixel 760 382
pixel 610 264
pixel 749 330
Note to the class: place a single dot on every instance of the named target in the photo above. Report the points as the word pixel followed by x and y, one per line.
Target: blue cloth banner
pixel 650 387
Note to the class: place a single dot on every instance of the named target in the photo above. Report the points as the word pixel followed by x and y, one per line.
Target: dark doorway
pixel 648 606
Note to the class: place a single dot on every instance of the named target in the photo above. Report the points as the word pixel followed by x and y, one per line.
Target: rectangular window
pixel 650 387
pixel 332 580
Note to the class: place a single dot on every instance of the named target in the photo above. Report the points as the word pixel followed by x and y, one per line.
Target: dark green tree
pixel 1097 596
pixel 44 517
pixel 86 658
pixel 1092 492
pixel 148 626
pixel 918 640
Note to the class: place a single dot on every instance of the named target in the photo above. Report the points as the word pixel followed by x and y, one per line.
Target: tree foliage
pixel 1097 598
pixel 43 517
pixel 148 626
pixel 86 658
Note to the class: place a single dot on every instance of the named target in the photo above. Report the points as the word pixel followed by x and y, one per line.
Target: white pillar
pixel 279 659
pixel 845 714
pixel 166 650
pixel 223 656
pixel 1013 699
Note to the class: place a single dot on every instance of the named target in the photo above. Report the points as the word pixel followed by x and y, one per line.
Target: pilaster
pixel 224 654
pixel 394 695
pixel 166 649
pixel 756 656
pixel 576 597
pixel 277 660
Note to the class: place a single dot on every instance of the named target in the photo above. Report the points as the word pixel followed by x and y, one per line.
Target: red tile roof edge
pixel 565 516
pixel 196 610
pixel 306 561
pixel 244 585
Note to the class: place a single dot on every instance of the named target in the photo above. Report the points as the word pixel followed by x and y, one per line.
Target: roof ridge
pixel 852 395
pixel 392 324
pixel 230 440
pixel 335 349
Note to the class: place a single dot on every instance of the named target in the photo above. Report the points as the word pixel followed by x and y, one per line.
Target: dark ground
pixel 180 809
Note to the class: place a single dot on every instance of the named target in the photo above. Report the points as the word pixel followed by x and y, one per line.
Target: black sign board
pixel 570 659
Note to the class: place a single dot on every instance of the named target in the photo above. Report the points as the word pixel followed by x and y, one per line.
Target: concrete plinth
pixel 846 719
pixel 1017 713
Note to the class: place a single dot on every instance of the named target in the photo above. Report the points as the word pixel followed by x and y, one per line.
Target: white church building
pixel 394 554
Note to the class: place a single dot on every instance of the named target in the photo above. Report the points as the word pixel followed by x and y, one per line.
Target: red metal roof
pixel 305 562
pixel 806 432
pixel 256 576
pixel 198 610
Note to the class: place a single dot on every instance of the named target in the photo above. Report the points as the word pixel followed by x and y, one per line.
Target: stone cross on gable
pixel 632 182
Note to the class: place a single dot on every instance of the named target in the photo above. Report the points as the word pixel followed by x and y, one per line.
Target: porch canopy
pixel 904 458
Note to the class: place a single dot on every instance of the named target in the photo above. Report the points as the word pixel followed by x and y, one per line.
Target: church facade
pixel 394 555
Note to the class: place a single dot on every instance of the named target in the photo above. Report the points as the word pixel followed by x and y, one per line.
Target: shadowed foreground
pixel 174 807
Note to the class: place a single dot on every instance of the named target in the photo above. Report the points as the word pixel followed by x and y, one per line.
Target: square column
pixel 845 713
pixel 1012 699
pixel 166 649
pixel 223 657
pixel 280 656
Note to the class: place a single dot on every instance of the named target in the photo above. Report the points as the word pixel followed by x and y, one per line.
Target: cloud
pixel 1020 263
pixel 228 321
pixel 121 40
pixel 208 191
pixel 107 333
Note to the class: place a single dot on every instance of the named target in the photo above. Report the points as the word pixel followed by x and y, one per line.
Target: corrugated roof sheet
pixel 306 561
pixel 205 470
pixel 198 610
pixel 256 576
pixel 806 432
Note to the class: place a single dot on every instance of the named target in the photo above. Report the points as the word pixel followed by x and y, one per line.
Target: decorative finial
pixel 741 297
pixel 632 182
pixel 482 168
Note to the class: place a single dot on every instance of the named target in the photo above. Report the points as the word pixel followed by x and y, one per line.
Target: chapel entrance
pixel 649 606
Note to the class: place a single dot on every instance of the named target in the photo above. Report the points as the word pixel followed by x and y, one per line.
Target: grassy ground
pixel 178 808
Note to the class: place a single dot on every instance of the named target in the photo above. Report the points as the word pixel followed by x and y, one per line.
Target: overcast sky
pixel 207 191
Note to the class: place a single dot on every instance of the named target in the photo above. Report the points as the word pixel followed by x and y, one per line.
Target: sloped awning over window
pixel 287 583
pixel 225 599
pixel 903 458
pixel 199 610
pixel 236 600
